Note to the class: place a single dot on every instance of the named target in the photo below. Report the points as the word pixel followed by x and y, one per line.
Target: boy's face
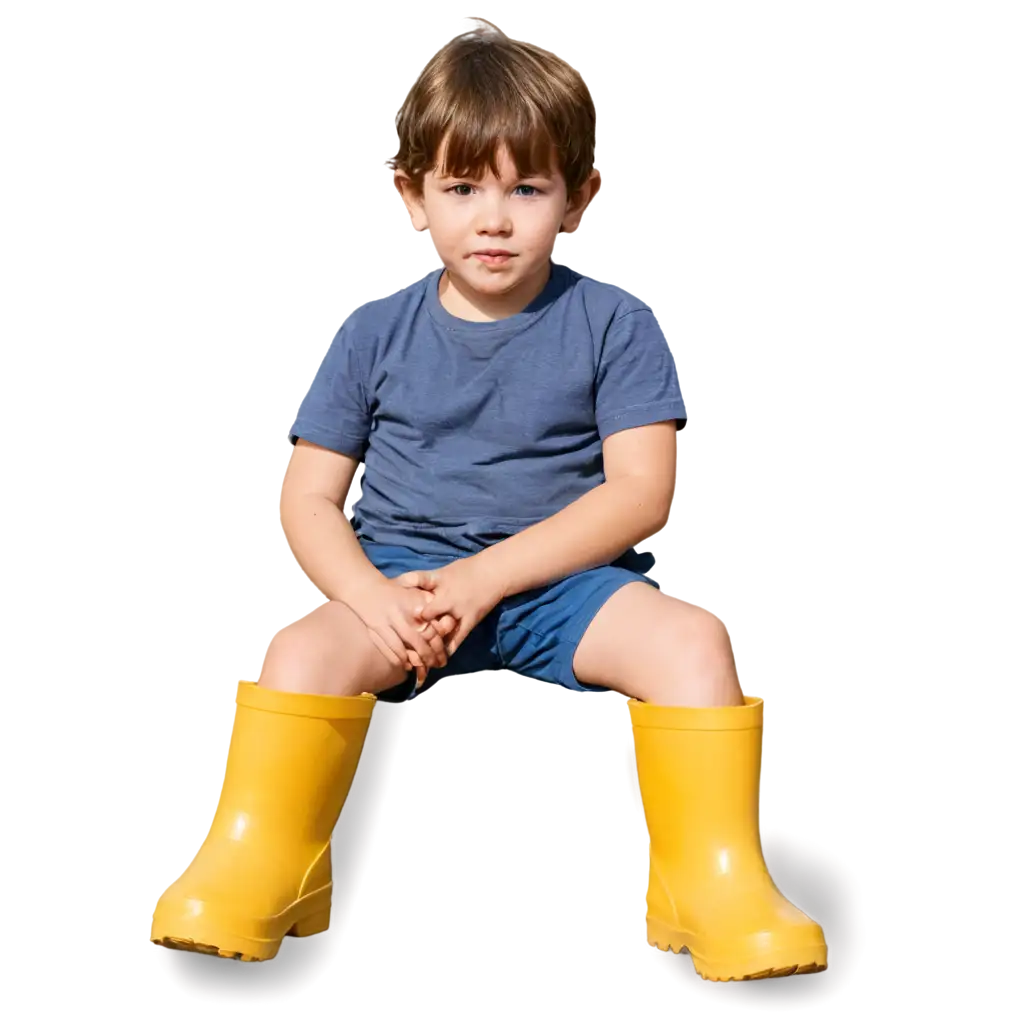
pixel 520 215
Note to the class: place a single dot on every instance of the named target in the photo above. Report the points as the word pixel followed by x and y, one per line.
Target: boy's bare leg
pixel 658 649
pixel 328 651
pixel 698 762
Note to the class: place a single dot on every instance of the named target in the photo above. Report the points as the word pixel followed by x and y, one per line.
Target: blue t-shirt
pixel 472 431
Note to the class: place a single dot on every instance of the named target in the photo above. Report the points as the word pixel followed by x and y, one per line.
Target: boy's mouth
pixel 494 255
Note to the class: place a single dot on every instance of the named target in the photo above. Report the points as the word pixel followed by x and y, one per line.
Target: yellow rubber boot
pixel 709 891
pixel 264 870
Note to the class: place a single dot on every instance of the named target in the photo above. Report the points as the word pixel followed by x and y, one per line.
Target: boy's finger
pixel 381 644
pixel 443 624
pixel 437 646
pixel 411 641
pixel 452 646
pixel 435 608
pixel 428 584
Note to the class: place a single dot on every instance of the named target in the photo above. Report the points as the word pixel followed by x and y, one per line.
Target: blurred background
pixel 817 202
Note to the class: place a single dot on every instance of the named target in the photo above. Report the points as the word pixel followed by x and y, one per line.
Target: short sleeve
pixel 636 379
pixel 335 413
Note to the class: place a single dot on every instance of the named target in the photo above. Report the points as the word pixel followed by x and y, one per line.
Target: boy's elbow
pixel 650 501
pixel 663 508
pixel 659 501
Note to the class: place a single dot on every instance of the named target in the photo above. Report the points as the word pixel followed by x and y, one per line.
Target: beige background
pixel 186 201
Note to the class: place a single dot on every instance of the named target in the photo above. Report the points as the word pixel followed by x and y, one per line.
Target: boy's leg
pixel 659 649
pixel 698 753
pixel 328 651
pixel 264 870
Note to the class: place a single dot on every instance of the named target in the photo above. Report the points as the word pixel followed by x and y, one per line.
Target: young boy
pixel 517 421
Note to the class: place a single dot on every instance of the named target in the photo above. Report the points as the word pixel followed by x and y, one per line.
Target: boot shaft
pixel 291 762
pixel 704 764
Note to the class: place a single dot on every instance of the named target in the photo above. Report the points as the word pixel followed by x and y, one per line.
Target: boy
pixel 517 421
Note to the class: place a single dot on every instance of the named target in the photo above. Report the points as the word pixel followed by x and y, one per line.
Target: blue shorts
pixel 534 632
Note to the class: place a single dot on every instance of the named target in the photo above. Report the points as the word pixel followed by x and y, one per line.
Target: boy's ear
pixel 413 200
pixel 574 211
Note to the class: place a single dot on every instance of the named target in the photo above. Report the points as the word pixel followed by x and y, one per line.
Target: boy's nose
pixel 493 219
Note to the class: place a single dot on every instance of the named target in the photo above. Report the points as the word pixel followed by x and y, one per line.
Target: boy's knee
pixel 328 651
pixel 299 653
pixel 698 655
pixel 685 633
pixel 708 636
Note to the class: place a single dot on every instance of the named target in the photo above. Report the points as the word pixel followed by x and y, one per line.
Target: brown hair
pixel 481 89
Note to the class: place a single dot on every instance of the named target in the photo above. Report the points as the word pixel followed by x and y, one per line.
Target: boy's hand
pixel 441 628
pixel 387 608
pixel 462 588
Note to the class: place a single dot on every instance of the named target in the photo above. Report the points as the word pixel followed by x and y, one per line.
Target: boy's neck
pixel 459 299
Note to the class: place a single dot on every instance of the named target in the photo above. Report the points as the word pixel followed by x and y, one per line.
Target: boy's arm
pixel 313 496
pixel 599 526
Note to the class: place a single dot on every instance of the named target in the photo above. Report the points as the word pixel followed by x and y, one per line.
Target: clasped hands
pixel 445 602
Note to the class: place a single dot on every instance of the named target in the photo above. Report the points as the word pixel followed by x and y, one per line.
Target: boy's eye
pixel 464 189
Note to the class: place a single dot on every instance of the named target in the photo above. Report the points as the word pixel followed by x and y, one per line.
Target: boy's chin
pixel 500 275
pixel 486 281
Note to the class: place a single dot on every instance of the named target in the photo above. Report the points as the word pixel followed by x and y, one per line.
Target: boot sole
pixel 810 960
pixel 237 947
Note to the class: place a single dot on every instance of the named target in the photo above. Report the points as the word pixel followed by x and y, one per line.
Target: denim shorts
pixel 534 632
